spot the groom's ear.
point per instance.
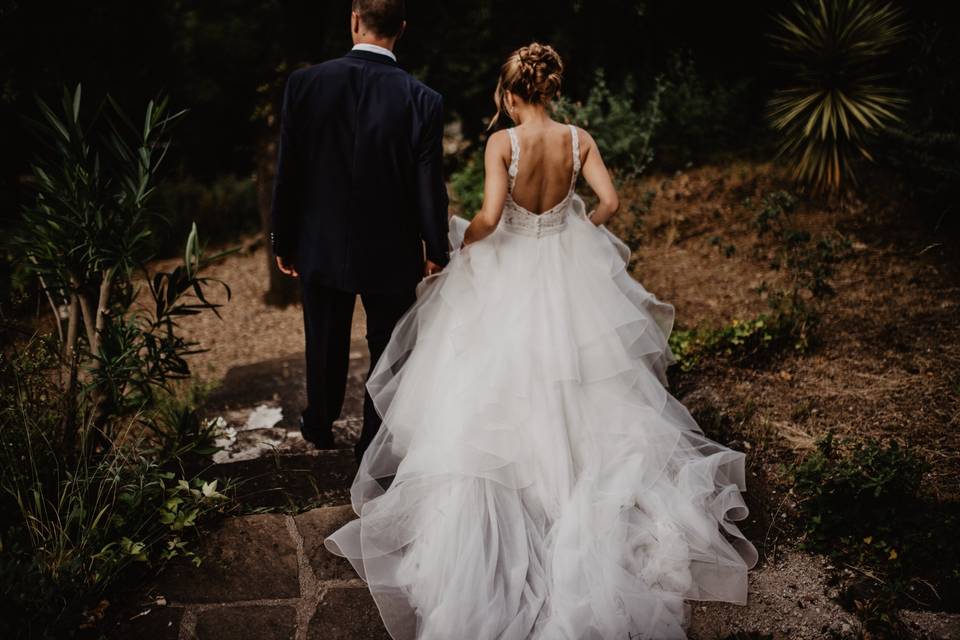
(355, 22)
(403, 28)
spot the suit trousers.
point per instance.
(327, 320)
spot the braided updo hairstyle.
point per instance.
(532, 73)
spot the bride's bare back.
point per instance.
(545, 167)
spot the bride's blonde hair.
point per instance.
(533, 73)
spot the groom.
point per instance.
(359, 203)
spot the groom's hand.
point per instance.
(287, 267)
(431, 268)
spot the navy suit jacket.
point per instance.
(359, 188)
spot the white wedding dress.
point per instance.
(544, 482)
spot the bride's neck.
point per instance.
(531, 114)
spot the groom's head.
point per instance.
(378, 21)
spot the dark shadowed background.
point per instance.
(215, 57)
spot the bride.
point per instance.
(533, 478)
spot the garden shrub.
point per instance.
(70, 529)
(808, 262)
(742, 341)
(862, 504)
(854, 495)
(467, 185)
(699, 119)
(91, 444)
(622, 127)
(926, 165)
(794, 308)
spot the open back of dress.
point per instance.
(553, 178)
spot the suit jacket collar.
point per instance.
(372, 57)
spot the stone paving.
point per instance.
(267, 575)
(264, 577)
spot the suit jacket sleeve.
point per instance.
(431, 189)
(285, 211)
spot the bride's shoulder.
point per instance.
(499, 137)
(585, 141)
(499, 143)
(583, 135)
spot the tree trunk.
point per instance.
(101, 401)
(56, 313)
(69, 427)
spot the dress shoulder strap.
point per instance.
(575, 143)
(514, 157)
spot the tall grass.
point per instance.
(72, 526)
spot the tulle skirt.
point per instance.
(533, 478)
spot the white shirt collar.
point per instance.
(372, 48)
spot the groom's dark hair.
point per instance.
(383, 17)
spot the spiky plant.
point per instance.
(838, 100)
(84, 237)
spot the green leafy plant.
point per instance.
(467, 184)
(855, 492)
(809, 263)
(837, 103)
(623, 130)
(85, 238)
(862, 503)
(70, 529)
(794, 313)
(176, 430)
(741, 341)
(91, 454)
(700, 118)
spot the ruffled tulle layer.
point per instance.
(542, 481)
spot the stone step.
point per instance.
(269, 576)
(263, 577)
(291, 481)
(261, 404)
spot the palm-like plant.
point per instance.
(838, 100)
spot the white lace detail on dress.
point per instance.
(514, 157)
(576, 154)
(531, 224)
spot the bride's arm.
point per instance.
(495, 181)
(597, 176)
